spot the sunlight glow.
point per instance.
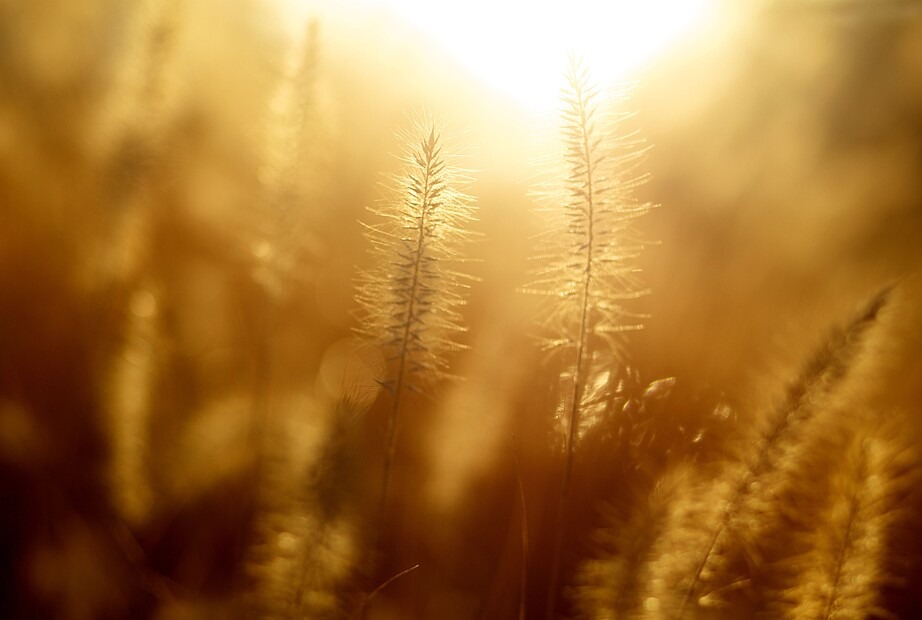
(519, 48)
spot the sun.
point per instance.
(519, 48)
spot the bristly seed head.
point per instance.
(588, 255)
(409, 298)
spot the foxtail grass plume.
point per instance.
(305, 529)
(611, 585)
(700, 560)
(847, 567)
(588, 254)
(588, 259)
(589, 251)
(290, 170)
(409, 298)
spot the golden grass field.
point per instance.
(328, 310)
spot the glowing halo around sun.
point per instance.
(520, 48)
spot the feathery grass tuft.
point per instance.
(409, 298)
(699, 557)
(282, 213)
(845, 570)
(290, 168)
(589, 259)
(612, 584)
(844, 541)
(589, 252)
(305, 526)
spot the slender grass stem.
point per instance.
(523, 587)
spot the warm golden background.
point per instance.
(187, 429)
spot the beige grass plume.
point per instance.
(588, 259)
(716, 533)
(845, 569)
(409, 298)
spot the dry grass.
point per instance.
(188, 428)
